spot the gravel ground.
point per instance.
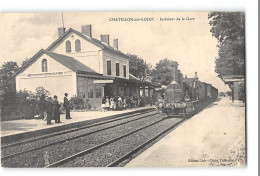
(43, 142)
(48, 155)
(109, 153)
(123, 163)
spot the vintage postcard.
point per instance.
(123, 89)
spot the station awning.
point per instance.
(100, 81)
(232, 78)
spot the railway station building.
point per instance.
(80, 65)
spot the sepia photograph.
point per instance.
(123, 89)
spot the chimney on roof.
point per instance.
(105, 39)
(115, 43)
(87, 30)
(174, 67)
(61, 31)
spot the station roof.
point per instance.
(135, 80)
(67, 61)
(71, 63)
(89, 39)
(232, 78)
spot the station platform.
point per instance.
(21, 128)
(213, 137)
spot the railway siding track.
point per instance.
(67, 148)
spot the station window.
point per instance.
(90, 93)
(124, 67)
(77, 45)
(68, 46)
(44, 65)
(98, 92)
(82, 95)
(117, 69)
(109, 67)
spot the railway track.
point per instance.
(60, 162)
(76, 159)
(108, 146)
(71, 130)
(141, 146)
(13, 155)
(85, 157)
(73, 137)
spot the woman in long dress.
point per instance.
(112, 104)
(56, 110)
(119, 103)
(107, 105)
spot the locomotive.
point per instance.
(179, 100)
(185, 96)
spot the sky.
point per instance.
(188, 41)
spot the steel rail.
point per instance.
(134, 151)
(71, 138)
(67, 159)
(74, 129)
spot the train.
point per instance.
(183, 97)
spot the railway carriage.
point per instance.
(202, 90)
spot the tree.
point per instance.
(138, 67)
(242, 92)
(8, 81)
(9, 68)
(39, 91)
(231, 58)
(229, 29)
(227, 25)
(163, 72)
(24, 62)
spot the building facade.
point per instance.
(80, 65)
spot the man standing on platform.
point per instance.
(42, 106)
(67, 106)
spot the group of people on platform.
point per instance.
(112, 103)
(51, 108)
